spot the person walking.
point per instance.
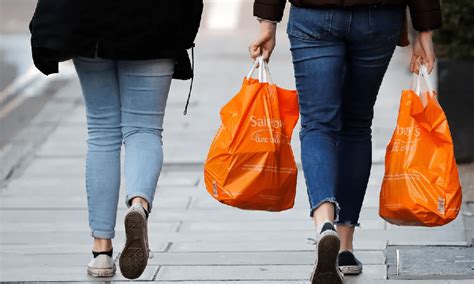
(125, 55)
(341, 50)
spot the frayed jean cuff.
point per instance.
(330, 200)
(347, 223)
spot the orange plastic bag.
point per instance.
(250, 164)
(421, 185)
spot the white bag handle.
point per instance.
(263, 71)
(423, 73)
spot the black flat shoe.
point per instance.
(348, 263)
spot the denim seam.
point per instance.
(89, 209)
(349, 23)
(329, 21)
(370, 20)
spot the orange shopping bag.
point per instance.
(421, 184)
(250, 164)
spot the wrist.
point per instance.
(428, 33)
(268, 27)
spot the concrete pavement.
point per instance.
(44, 235)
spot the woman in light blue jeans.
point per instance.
(125, 103)
(125, 55)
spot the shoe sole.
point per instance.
(101, 272)
(351, 269)
(133, 259)
(326, 270)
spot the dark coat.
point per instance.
(425, 14)
(114, 29)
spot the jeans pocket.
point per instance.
(385, 23)
(309, 24)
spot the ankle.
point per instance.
(350, 249)
(140, 200)
(101, 245)
(346, 234)
(323, 214)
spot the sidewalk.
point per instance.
(44, 235)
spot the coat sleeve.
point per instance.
(269, 9)
(425, 14)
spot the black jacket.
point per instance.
(114, 29)
(426, 14)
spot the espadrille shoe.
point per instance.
(348, 263)
(102, 265)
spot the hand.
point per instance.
(265, 42)
(423, 52)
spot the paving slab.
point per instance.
(251, 258)
(348, 280)
(235, 215)
(413, 236)
(257, 272)
(430, 262)
(276, 225)
(257, 245)
(45, 260)
(64, 274)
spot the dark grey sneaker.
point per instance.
(348, 263)
(325, 269)
(134, 256)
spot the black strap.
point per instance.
(97, 253)
(192, 80)
(146, 212)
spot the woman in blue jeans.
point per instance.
(341, 50)
(125, 55)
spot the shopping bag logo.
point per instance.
(268, 130)
(266, 122)
(269, 136)
(408, 131)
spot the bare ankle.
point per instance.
(140, 200)
(324, 213)
(346, 235)
(102, 245)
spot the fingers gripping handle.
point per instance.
(263, 71)
(423, 73)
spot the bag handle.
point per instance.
(423, 73)
(264, 75)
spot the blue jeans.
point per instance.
(125, 102)
(340, 57)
